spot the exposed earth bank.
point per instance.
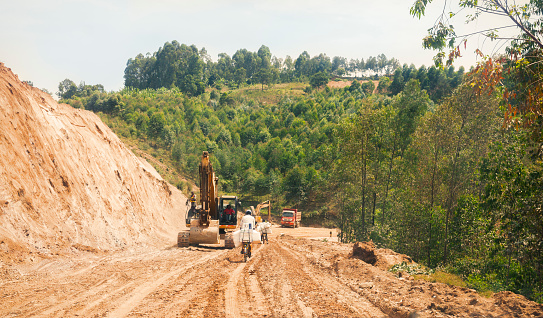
(67, 182)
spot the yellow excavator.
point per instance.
(214, 217)
(256, 211)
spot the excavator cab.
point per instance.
(228, 218)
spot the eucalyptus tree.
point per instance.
(301, 65)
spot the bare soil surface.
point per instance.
(289, 277)
(342, 84)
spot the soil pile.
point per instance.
(68, 183)
(379, 257)
(365, 251)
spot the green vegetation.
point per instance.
(418, 160)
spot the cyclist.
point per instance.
(247, 223)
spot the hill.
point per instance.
(68, 183)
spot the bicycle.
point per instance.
(264, 238)
(246, 250)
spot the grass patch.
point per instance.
(434, 276)
(440, 276)
(270, 95)
(443, 277)
(411, 269)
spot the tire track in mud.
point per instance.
(316, 292)
(83, 296)
(114, 283)
(289, 277)
(231, 290)
(275, 275)
(137, 295)
(114, 271)
(343, 293)
(254, 290)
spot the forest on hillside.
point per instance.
(436, 163)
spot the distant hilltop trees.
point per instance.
(192, 70)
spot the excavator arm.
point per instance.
(208, 191)
(265, 204)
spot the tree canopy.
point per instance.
(192, 70)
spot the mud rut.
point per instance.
(288, 277)
(193, 282)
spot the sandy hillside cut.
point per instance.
(67, 182)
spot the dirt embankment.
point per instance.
(67, 182)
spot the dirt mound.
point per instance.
(382, 257)
(67, 183)
(517, 303)
(365, 251)
(387, 258)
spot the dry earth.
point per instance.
(87, 229)
(289, 277)
(342, 84)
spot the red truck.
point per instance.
(291, 217)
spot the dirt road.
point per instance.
(289, 277)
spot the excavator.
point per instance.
(209, 221)
(256, 211)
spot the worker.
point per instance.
(229, 213)
(192, 200)
(250, 221)
(247, 219)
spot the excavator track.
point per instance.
(183, 239)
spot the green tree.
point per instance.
(240, 76)
(156, 124)
(513, 197)
(442, 36)
(264, 77)
(368, 87)
(384, 83)
(318, 80)
(66, 89)
(398, 83)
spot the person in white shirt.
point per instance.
(247, 223)
(247, 219)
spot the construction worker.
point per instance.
(248, 218)
(229, 213)
(192, 200)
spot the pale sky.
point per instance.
(47, 41)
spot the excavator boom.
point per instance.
(208, 191)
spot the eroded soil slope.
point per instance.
(67, 183)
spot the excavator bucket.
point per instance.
(204, 235)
